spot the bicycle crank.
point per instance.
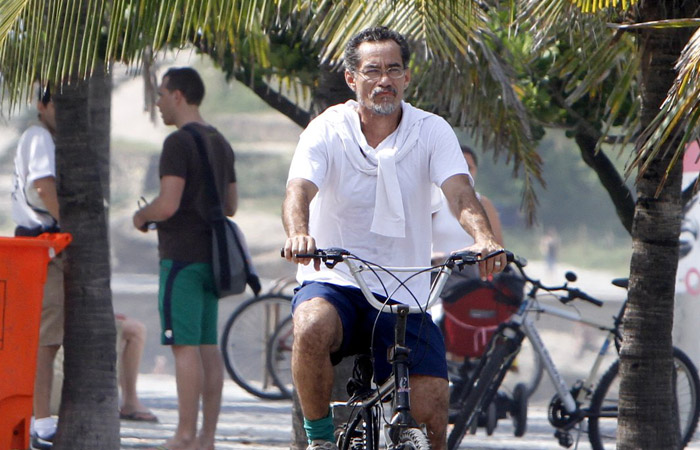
(559, 417)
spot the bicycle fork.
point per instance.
(398, 357)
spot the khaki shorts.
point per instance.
(52, 310)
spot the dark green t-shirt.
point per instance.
(186, 236)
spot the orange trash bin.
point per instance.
(23, 268)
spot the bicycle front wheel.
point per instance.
(602, 422)
(527, 370)
(362, 430)
(483, 385)
(245, 343)
(413, 439)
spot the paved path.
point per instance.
(248, 423)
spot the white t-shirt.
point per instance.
(35, 159)
(341, 213)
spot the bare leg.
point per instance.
(429, 400)
(133, 341)
(317, 332)
(44, 378)
(211, 394)
(189, 377)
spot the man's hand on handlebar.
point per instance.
(301, 245)
(493, 262)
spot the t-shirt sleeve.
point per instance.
(42, 157)
(173, 160)
(310, 160)
(446, 157)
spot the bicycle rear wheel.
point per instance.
(279, 356)
(602, 423)
(245, 342)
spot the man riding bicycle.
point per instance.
(368, 165)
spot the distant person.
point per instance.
(188, 301)
(35, 211)
(549, 246)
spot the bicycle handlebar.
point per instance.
(332, 256)
(572, 293)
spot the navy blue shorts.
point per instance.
(363, 330)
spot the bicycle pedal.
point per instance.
(564, 437)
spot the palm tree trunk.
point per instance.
(88, 417)
(647, 407)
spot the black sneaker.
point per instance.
(39, 443)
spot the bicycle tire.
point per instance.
(279, 356)
(485, 383)
(413, 439)
(360, 432)
(245, 339)
(528, 371)
(602, 431)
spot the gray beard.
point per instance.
(382, 109)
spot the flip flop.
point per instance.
(139, 416)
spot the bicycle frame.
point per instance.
(397, 385)
(521, 317)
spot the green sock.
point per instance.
(321, 429)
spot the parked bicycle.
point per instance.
(401, 431)
(593, 400)
(247, 337)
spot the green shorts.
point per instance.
(188, 304)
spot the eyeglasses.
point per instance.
(375, 74)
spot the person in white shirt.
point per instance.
(360, 179)
(35, 211)
(448, 234)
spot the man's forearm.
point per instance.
(473, 218)
(156, 211)
(295, 213)
(467, 208)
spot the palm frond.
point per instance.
(45, 41)
(593, 6)
(544, 17)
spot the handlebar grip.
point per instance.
(594, 301)
(575, 293)
(469, 257)
(302, 255)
